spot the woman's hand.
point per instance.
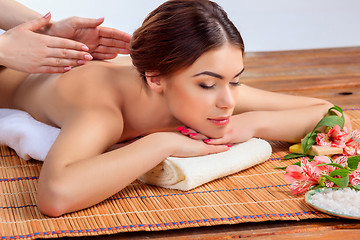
(191, 133)
(183, 146)
(103, 42)
(238, 130)
(22, 49)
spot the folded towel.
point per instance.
(33, 139)
(27, 136)
(187, 173)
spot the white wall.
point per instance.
(265, 25)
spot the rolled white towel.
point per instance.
(187, 173)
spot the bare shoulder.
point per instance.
(91, 86)
(94, 83)
(86, 82)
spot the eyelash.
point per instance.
(235, 83)
(202, 85)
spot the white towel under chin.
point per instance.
(187, 173)
(33, 139)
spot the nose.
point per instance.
(226, 99)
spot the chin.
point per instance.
(218, 133)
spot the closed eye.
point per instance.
(235, 83)
(203, 85)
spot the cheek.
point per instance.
(190, 108)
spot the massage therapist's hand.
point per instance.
(22, 49)
(103, 42)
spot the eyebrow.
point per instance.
(212, 74)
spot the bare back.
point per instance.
(54, 98)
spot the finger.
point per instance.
(216, 141)
(124, 51)
(69, 54)
(111, 42)
(114, 33)
(191, 133)
(78, 22)
(217, 148)
(103, 56)
(197, 136)
(184, 130)
(36, 23)
(52, 69)
(103, 49)
(61, 62)
(56, 42)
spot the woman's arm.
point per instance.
(273, 116)
(252, 99)
(77, 173)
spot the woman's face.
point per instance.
(203, 96)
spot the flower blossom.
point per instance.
(308, 173)
(353, 144)
(334, 138)
(354, 177)
(350, 143)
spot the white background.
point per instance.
(265, 25)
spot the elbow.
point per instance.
(51, 200)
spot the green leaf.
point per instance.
(281, 168)
(322, 181)
(339, 172)
(356, 187)
(297, 164)
(353, 162)
(330, 120)
(341, 182)
(293, 155)
(331, 164)
(337, 108)
(308, 141)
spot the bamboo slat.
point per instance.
(257, 194)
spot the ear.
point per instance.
(154, 81)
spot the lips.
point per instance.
(220, 121)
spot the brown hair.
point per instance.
(178, 32)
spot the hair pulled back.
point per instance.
(178, 32)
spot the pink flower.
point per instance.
(321, 169)
(353, 144)
(325, 169)
(294, 174)
(355, 135)
(301, 178)
(350, 143)
(337, 137)
(334, 138)
(309, 174)
(342, 160)
(354, 177)
(322, 139)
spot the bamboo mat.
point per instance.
(254, 195)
